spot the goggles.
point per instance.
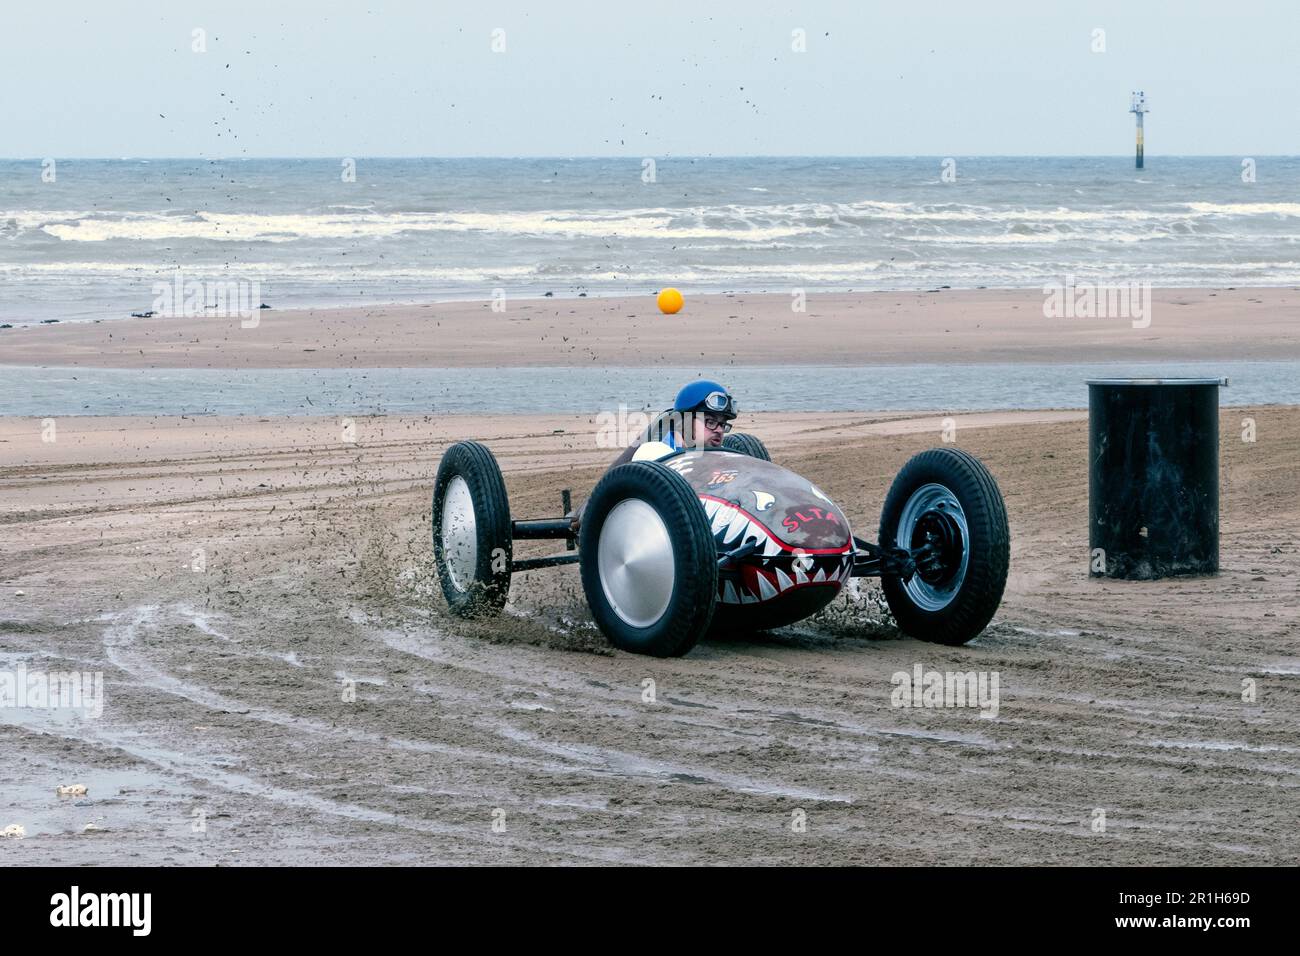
(720, 402)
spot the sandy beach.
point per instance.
(874, 328)
(324, 341)
(228, 576)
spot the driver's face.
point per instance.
(708, 430)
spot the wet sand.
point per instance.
(874, 328)
(225, 686)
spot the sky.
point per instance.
(109, 78)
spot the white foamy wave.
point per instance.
(542, 274)
(743, 223)
(1038, 238)
(956, 212)
(1246, 208)
(248, 227)
(812, 270)
(165, 272)
(15, 221)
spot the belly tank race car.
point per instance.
(677, 544)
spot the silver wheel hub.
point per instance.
(459, 534)
(634, 557)
(937, 499)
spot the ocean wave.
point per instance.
(812, 269)
(744, 223)
(255, 270)
(957, 212)
(550, 271)
(1056, 237)
(251, 227)
(1245, 208)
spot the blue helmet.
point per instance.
(706, 396)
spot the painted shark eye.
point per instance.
(818, 492)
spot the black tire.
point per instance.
(484, 558)
(749, 445)
(944, 606)
(688, 549)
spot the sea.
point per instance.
(96, 239)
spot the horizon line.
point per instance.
(658, 157)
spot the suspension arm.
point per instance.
(873, 561)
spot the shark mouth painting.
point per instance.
(775, 568)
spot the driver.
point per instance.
(703, 410)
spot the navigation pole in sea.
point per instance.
(1139, 107)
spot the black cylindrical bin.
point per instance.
(1153, 476)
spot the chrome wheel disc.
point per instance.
(634, 557)
(933, 515)
(459, 534)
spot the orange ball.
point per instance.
(670, 301)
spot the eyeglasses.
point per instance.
(712, 424)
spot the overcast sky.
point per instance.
(708, 77)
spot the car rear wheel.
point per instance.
(648, 560)
(750, 445)
(471, 531)
(946, 504)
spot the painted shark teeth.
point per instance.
(739, 524)
(732, 527)
(773, 582)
